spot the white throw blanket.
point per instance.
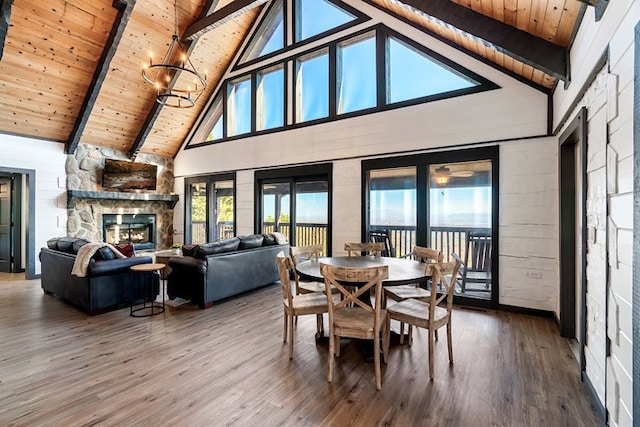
(81, 264)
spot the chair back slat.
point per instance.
(423, 254)
(285, 265)
(364, 248)
(478, 252)
(354, 282)
(444, 275)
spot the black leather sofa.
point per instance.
(214, 271)
(109, 283)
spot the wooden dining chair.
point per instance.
(306, 253)
(366, 248)
(298, 305)
(403, 292)
(429, 315)
(351, 316)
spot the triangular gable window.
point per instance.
(269, 37)
(413, 74)
(308, 23)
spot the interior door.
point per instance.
(6, 226)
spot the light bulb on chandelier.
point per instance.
(169, 75)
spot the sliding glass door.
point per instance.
(296, 203)
(447, 201)
(210, 208)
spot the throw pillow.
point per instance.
(189, 250)
(269, 240)
(53, 243)
(78, 243)
(126, 249)
(280, 238)
(104, 253)
(253, 241)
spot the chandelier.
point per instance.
(176, 80)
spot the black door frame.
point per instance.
(573, 152)
(422, 161)
(210, 223)
(29, 188)
(636, 227)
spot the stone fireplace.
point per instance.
(139, 229)
(99, 215)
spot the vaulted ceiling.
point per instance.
(70, 70)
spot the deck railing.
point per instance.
(199, 231)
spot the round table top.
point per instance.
(401, 271)
(148, 267)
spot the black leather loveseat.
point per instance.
(214, 271)
(108, 284)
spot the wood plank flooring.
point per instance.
(227, 365)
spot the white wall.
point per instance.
(48, 160)
(529, 224)
(528, 168)
(609, 100)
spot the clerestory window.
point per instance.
(372, 70)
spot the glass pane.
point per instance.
(312, 87)
(392, 206)
(216, 119)
(198, 221)
(239, 106)
(356, 74)
(270, 99)
(309, 23)
(269, 37)
(460, 220)
(224, 218)
(312, 213)
(276, 198)
(413, 74)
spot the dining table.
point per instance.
(402, 271)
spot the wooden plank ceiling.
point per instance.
(70, 70)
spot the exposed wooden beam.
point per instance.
(219, 17)
(536, 52)
(189, 45)
(5, 14)
(125, 7)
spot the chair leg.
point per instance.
(401, 332)
(431, 364)
(387, 337)
(319, 324)
(449, 342)
(331, 356)
(291, 338)
(336, 345)
(286, 322)
(376, 361)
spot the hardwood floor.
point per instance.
(227, 365)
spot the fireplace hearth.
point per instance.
(139, 229)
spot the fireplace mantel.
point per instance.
(72, 195)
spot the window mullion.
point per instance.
(332, 80)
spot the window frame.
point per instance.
(294, 175)
(422, 163)
(382, 32)
(209, 179)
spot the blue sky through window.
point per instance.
(412, 74)
(270, 99)
(317, 16)
(269, 37)
(313, 88)
(239, 107)
(357, 75)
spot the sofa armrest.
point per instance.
(112, 266)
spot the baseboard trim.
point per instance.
(595, 401)
(530, 311)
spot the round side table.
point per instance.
(152, 308)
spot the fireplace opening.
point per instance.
(139, 229)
